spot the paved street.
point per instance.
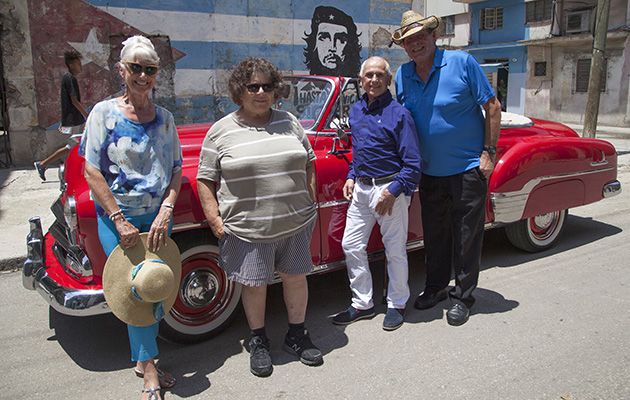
(552, 325)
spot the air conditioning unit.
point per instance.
(578, 21)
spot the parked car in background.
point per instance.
(544, 168)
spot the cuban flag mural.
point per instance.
(199, 41)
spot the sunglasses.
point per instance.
(255, 87)
(149, 70)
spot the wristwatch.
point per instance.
(491, 150)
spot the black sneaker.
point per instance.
(352, 315)
(457, 315)
(259, 358)
(40, 170)
(302, 347)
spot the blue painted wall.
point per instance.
(513, 22)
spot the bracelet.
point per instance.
(113, 215)
(168, 205)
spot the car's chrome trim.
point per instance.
(189, 226)
(611, 189)
(67, 301)
(509, 206)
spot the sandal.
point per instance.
(166, 380)
(154, 393)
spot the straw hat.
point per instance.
(140, 286)
(413, 22)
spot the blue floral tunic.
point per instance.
(136, 159)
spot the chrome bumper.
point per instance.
(67, 301)
(611, 189)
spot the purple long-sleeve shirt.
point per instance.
(384, 143)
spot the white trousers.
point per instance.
(360, 220)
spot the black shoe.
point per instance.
(352, 315)
(259, 358)
(40, 170)
(302, 347)
(457, 315)
(393, 319)
(429, 298)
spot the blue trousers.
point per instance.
(142, 339)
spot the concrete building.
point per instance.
(198, 43)
(537, 54)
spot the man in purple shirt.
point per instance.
(383, 175)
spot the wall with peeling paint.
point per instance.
(198, 42)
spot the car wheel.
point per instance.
(537, 233)
(206, 300)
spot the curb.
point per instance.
(12, 264)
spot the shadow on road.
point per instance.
(100, 343)
(578, 231)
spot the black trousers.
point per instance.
(453, 213)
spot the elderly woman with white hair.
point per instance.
(133, 167)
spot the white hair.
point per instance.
(139, 48)
(374, 58)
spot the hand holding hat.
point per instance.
(140, 286)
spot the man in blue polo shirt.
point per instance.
(445, 92)
(384, 172)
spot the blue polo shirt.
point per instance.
(447, 110)
(384, 142)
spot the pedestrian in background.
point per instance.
(256, 183)
(73, 114)
(445, 92)
(383, 174)
(133, 166)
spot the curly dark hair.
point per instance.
(352, 62)
(242, 75)
(71, 55)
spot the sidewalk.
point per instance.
(23, 195)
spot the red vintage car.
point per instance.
(544, 168)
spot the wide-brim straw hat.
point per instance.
(413, 22)
(141, 286)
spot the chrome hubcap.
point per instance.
(199, 289)
(544, 221)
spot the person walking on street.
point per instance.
(383, 175)
(73, 113)
(445, 92)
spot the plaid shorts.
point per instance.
(253, 264)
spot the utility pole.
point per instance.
(597, 69)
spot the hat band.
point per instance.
(158, 308)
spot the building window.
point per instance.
(492, 18)
(540, 68)
(449, 25)
(582, 73)
(538, 10)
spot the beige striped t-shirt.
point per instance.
(260, 175)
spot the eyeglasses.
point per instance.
(255, 87)
(149, 70)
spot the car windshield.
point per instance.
(306, 98)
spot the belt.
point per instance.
(366, 180)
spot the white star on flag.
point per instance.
(92, 50)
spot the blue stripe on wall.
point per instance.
(361, 11)
(222, 55)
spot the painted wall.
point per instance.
(513, 22)
(554, 95)
(199, 41)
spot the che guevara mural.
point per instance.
(201, 41)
